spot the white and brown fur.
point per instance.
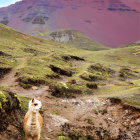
(33, 120)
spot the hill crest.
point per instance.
(108, 22)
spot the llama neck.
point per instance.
(33, 117)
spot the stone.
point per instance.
(35, 88)
(110, 119)
(132, 122)
(138, 120)
(126, 111)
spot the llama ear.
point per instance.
(33, 100)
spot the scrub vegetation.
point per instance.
(70, 71)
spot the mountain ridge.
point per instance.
(103, 21)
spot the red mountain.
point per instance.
(110, 22)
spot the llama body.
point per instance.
(33, 121)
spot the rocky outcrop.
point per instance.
(107, 122)
(39, 20)
(36, 18)
(11, 116)
(62, 36)
(4, 22)
(74, 38)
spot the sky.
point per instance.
(4, 3)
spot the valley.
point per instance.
(84, 93)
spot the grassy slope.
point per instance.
(33, 56)
(80, 40)
(137, 43)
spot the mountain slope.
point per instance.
(70, 71)
(112, 23)
(72, 38)
(95, 88)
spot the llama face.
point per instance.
(35, 105)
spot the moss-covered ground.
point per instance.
(9, 100)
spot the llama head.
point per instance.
(34, 105)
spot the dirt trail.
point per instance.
(9, 80)
(86, 115)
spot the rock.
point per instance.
(58, 120)
(132, 122)
(126, 111)
(13, 132)
(65, 101)
(74, 102)
(138, 120)
(4, 22)
(110, 119)
(61, 36)
(38, 20)
(48, 127)
(11, 128)
(35, 88)
(125, 123)
(90, 101)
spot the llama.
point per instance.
(33, 120)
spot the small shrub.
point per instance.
(92, 85)
(55, 111)
(62, 138)
(89, 121)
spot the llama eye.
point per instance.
(35, 104)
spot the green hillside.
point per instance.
(68, 70)
(73, 38)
